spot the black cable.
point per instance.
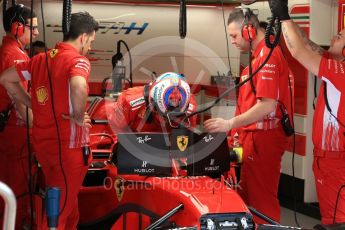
(293, 155)
(276, 22)
(336, 203)
(247, 15)
(315, 92)
(66, 16)
(325, 97)
(104, 87)
(4, 9)
(328, 106)
(293, 158)
(30, 155)
(31, 26)
(20, 196)
(269, 30)
(54, 114)
(183, 19)
(268, 44)
(226, 37)
(130, 63)
(217, 100)
(250, 66)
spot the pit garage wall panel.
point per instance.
(151, 32)
(341, 14)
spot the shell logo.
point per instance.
(42, 95)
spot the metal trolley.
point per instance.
(10, 206)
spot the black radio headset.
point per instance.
(17, 22)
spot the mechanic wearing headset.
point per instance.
(13, 133)
(144, 109)
(329, 116)
(68, 69)
(258, 115)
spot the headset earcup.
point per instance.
(249, 32)
(17, 29)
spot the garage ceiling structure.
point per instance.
(192, 2)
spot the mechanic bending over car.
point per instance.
(146, 108)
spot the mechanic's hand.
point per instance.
(217, 125)
(86, 122)
(279, 8)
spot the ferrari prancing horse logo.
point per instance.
(182, 142)
(53, 52)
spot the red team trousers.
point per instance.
(329, 168)
(75, 171)
(14, 170)
(260, 172)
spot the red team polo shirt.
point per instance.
(129, 111)
(328, 134)
(270, 82)
(11, 53)
(64, 63)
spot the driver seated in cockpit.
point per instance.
(148, 108)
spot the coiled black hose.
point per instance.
(183, 19)
(274, 22)
(66, 16)
(4, 8)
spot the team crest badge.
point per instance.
(119, 189)
(182, 142)
(42, 95)
(53, 52)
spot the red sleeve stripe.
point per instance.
(83, 66)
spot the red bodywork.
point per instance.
(143, 199)
(148, 198)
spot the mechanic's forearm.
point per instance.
(293, 38)
(16, 90)
(254, 114)
(309, 58)
(10, 75)
(307, 42)
(27, 117)
(79, 98)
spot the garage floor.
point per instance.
(288, 219)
